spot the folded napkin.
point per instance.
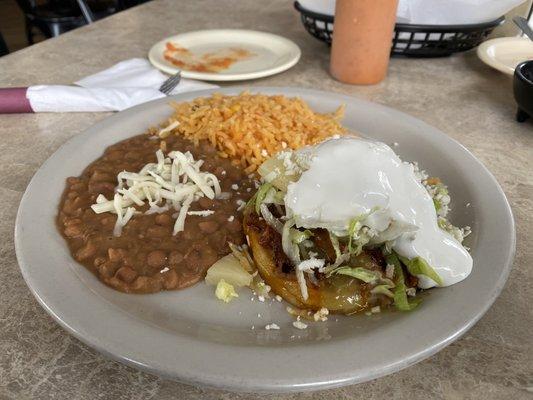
(124, 85)
(434, 12)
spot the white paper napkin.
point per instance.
(453, 12)
(434, 12)
(122, 86)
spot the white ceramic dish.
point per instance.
(190, 336)
(272, 54)
(504, 54)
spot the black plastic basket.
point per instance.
(411, 40)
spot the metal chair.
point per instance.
(54, 17)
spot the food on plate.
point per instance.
(225, 291)
(347, 226)
(250, 128)
(230, 270)
(213, 61)
(157, 210)
(144, 220)
(261, 192)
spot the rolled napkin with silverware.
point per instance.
(122, 86)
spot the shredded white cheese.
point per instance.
(174, 182)
(203, 213)
(272, 326)
(163, 133)
(180, 221)
(311, 264)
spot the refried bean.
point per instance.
(147, 258)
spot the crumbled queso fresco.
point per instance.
(240, 204)
(299, 324)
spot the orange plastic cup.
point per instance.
(362, 40)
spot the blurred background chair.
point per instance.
(54, 17)
(3, 46)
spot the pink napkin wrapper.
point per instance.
(14, 101)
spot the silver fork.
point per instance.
(169, 85)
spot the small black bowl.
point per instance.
(523, 90)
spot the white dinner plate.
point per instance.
(504, 54)
(190, 336)
(270, 54)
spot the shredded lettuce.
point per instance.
(260, 196)
(437, 205)
(251, 202)
(360, 273)
(292, 250)
(358, 233)
(399, 295)
(274, 196)
(270, 219)
(299, 236)
(419, 266)
(279, 198)
(387, 281)
(383, 289)
(335, 243)
(280, 170)
(289, 248)
(458, 233)
(354, 226)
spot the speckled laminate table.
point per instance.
(458, 95)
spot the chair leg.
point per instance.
(55, 29)
(86, 11)
(521, 115)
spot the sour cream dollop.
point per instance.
(350, 177)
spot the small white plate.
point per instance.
(272, 54)
(504, 54)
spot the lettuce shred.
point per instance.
(260, 196)
(383, 289)
(360, 273)
(399, 295)
(419, 266)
